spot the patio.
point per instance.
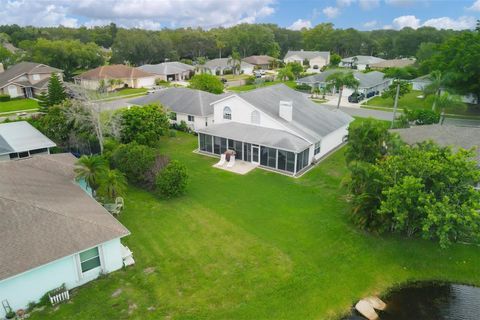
(240, 167)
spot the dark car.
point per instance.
(356, 97)
(223, 80)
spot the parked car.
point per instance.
(370, 94)
(223, 80)
(356, 97)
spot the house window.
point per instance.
(36, 77)
(89, 259)
(173, 116)
(227, 113)
(191, 118)
(317, 148)
(255, 117)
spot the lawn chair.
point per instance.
(115, 208)
(222, 160)
(231, 163)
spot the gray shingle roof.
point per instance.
(363, 59)
(21, 136)
(308, 54)
(367, 80)
(444, 135)
(181, 100)
(167, 68)
(309, 119)
(224, 63)
(45, 215)
(22, 68)
(258, 135)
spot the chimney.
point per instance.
(285, 110)
(1, 68)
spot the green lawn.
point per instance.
(249, 87)
(411, 101)
(259, 246)
(232, 77)
(18, 105)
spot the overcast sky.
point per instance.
(157, 14)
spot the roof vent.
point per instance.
(285, 110)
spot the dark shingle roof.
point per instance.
(45, 215)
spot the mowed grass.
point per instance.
(259, 246)
(412, 101)
(18, 105)
(249, 87)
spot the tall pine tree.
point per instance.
(56, 92)
(43, 101)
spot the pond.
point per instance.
(431, 301)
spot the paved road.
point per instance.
(115, 104)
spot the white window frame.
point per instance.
(227, 113)
(317, 148)
(190, 117)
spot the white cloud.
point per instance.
(368, 4)
(406, 21)
(370, 24)
(331, 12)
(300, 24)
(344, 3)
(449, 23)
(475, 6)
(147, 13)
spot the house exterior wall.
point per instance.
(13, 91)
(318, 61)
(331, 141)
(198, 121)
(144, 82)
(31, 285)
(293, 59)
(132, 83)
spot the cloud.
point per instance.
(449, 23)
(344, 3)
(368, 4)
(147, 13)
(406, 21)
(300, 24)
(331, 12)
(475, 6)
(370, 24)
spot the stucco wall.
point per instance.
(332, 141)
(198, 123)
(33, 284)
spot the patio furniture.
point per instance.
(222, 160)
(115, 208)
(127, 256)
(231, 163)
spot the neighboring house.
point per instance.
(369, 82)
(360, 62)
(53, 232)
(220, 65)
(444, 135)
(26, 79)
(421, 82)
(189, 105)
(127, 77)
(316, 59)
(262, 62)
(21, 140)
(275, 127)
(169, 71)
(393, 63)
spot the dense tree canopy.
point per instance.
(206, 82)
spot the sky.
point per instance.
(157, 14)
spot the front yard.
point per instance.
(18, 105)
(249, 87)
(259, 246)
(412, 101)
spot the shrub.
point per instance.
(10, 315)
(250, 80)
(422, 116)
(144, 125)
(134, 160)
(151, 174)
(159, 82)
(303, 87)
(172, 133)
(172, 181)
(4, 97)
(206, 82)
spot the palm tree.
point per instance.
(113, 184)
(235, 61)
(90, 169)
(447, 100)
(340, 80)
(284, 74)
(435, 87)
(397, 74)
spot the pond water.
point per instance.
(431, 301)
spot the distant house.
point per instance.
(392, 63)
(21, 140)
(360, 62)
(316, 59)
(369, 82)
(169, 71)
(422, 82)
(220, 65)
(26, 79)
(189, 105)
(53, 232)
(275, 127)
(127, 77)
(262, 62)
(444, 135)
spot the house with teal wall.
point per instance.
(52, 231)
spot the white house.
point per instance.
(360, 62)
(421, 82)
(21, 140)
(275, 127)
(169, 71)
(220, 65)
(189, 105)
(316, 59)
(370, 82)
(52, 231)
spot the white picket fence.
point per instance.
(59, 297)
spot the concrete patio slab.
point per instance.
(240, 167)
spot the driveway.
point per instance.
(365, 113)
(116, 104)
